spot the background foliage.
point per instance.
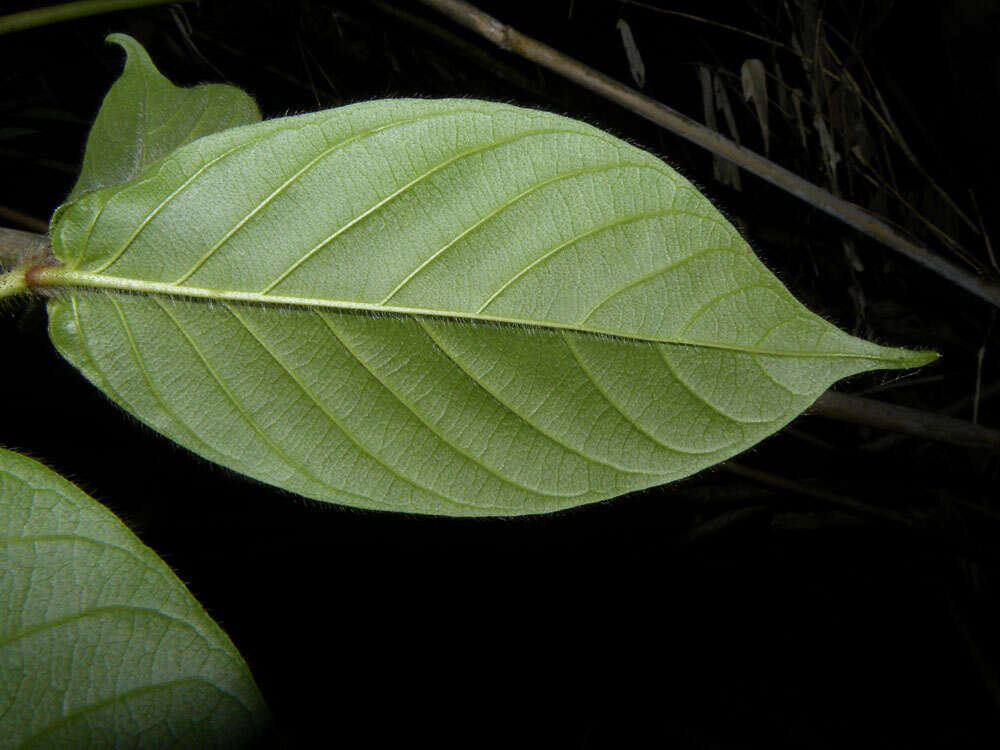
(716, 612)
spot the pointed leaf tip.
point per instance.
(132, 48)
(920, 357)
(907, 359)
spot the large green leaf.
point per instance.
(100, 644)
(144, 117)
(453, 307)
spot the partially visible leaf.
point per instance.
(451, 306)
(144, 117)
(100, 644)
(635, 63)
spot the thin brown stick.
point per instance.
(927, 425)
(890, 441)
(851, 214)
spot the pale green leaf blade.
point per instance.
(437, 306)
(144, 117)
(100, 643)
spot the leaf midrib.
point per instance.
(55, 277)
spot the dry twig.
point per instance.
(927, 425)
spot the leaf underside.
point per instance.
(100, 643)
(452, 307)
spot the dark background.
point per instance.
(717, 612)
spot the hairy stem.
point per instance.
(28, 19)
